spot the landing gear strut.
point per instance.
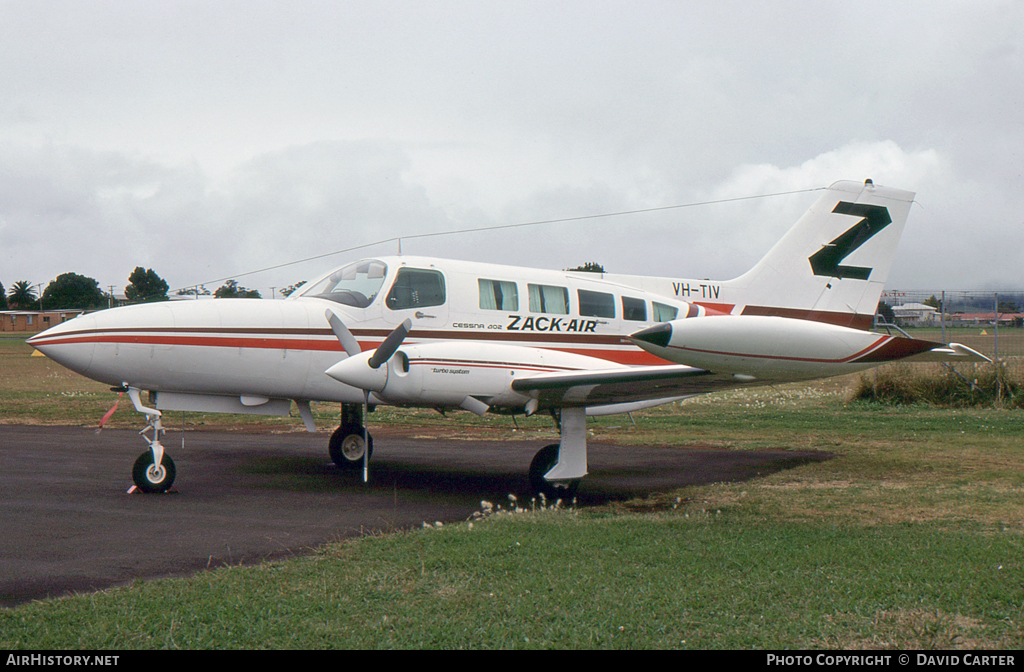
(347, 444)
(154, 470)
(543, 462)
(556, 470)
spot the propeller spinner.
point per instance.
(365, 370)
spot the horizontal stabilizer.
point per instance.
(952, 353)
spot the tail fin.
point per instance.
(833, 264)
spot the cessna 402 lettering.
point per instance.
(444, 334)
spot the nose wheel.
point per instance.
(151, 477)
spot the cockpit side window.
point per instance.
(416, 288)
(354, 285)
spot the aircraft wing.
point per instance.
(626, 385)
(623, 385)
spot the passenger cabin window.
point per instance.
(596, 304)
(548, 299)
(663, 313)
(354, 285)
(498, 295)
(634, 309)
(416, 288)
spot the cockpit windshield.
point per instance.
(354, 285)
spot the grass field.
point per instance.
(911, 537)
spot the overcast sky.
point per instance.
(207, 139)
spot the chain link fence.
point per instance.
(991, 322)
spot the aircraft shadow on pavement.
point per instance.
(617, 473)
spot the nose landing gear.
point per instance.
(154, 470)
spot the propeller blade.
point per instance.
(366, 436)
(390, 345)
(345, 337)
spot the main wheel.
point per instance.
(149, 477)
(545, 459)
(346, 446)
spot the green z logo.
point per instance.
(825, 261)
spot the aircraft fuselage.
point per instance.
(279, 349)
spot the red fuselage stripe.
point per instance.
(626, 355)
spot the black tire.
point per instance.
(149, 479)
(543, 461)
(345, 447)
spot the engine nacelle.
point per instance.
(769, 348)
(446, 373)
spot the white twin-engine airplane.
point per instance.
(436, 333)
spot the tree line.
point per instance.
(79, 292)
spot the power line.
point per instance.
(498, 227)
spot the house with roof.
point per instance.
(916, 314)
(35, 320)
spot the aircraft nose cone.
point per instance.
(659, 335)
(69, 344)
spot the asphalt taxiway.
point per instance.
(67, 523)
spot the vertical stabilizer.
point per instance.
(833, 264)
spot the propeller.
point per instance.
(345, 337)
(390, 344)
(363, 369)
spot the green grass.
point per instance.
(696, 578)
(912, 536)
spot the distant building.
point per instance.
(34, 320)
(987, 319)
(916, 314)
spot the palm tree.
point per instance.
(22, 295)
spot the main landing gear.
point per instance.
(556, 470)
(154, 470)
(543, 462)
(347, 445)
